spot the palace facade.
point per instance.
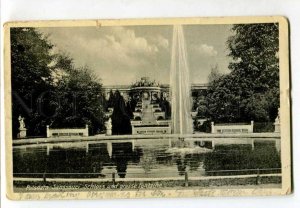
(151, 110)
(147, 89)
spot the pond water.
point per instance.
(145, 158)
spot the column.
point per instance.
(252, 126)
(212, 127)
(47, 131)
(151, 94)
(86, 131)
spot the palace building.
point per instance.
(146, 89)
(152, 109)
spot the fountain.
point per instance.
(181, 118)
(180, 85)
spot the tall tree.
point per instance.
(31, 77)
(251, 90)
(215, 74)
(120, 117)
(79, 98)
(49, 90)
(110, 101)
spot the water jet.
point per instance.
(180, 85)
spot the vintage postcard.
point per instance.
(180, 107)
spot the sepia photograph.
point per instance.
(147, 108)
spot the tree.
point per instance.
(79, 99)
(200, 101)
(254, 49)
(215, 74)
(49, 90)
(110, 101)
(165, 106)
(251, 90)
(120, 118)
(31, 77)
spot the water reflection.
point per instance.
(148, 161)
(242, 159)
(142, 158)
(122, 154)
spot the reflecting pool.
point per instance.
(143, 158)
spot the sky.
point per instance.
(124, 54)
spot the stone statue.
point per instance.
(22, 130)
(21, 122)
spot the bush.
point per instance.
(263, 127)
(205, 127)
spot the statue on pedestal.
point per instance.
(22, 129)
(108, 126)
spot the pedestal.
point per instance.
(277, 127)
(108, 132)
(108, 126)
(22, 133)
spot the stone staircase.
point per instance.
(148, 117)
